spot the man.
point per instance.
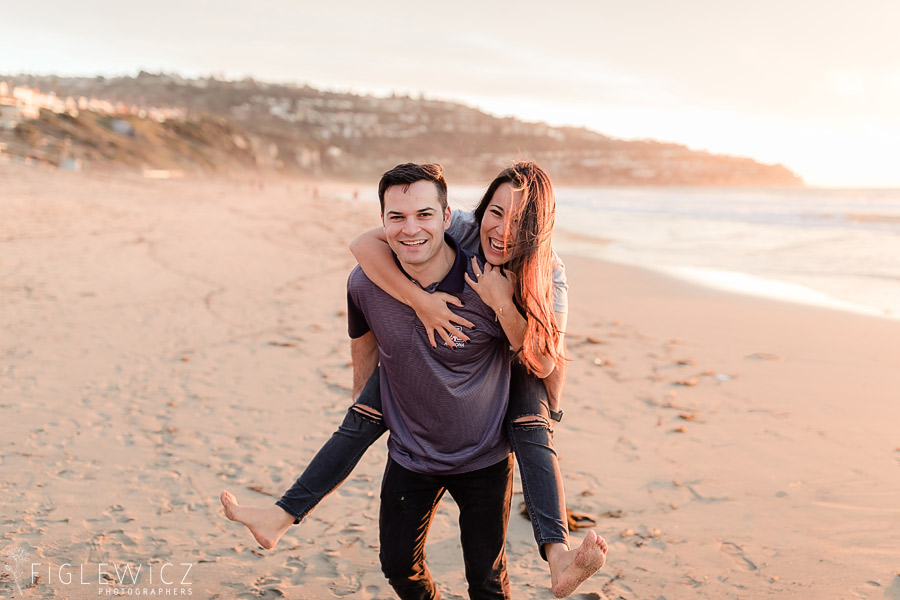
(444, 406)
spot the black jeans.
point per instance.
(408, 503)
(533, 444)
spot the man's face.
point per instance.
(414, 223)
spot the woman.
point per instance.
(524, 283)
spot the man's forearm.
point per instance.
(364, 354)
(554, 383)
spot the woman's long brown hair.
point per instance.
(530, 256)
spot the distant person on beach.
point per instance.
(524, 283)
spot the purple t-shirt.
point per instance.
(443, 406)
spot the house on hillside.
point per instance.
(10, 116)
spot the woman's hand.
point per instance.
(434, 312)
(495, 288)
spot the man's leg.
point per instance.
(483, 497)
(329, 467)
(408, 503)
(528, 424)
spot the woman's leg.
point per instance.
(528, 424)
(362, 425)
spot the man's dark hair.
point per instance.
(409, 173)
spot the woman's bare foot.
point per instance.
(570, 568)
(266, 524)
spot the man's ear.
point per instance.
(447, 216)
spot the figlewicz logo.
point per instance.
(122, 579)
(110, 578)
(18, 556)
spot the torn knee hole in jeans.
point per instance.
(368, 413)
(531, 422)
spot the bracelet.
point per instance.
(499, 312)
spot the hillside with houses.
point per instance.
(167, 122)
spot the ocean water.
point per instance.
(825, 247)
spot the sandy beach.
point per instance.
(163, 340)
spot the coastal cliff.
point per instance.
(162, 121)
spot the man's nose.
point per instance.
(410, 226)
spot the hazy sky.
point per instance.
(813, 84)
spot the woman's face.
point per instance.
(496, 232)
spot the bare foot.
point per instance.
(570, 568)
(266, 524)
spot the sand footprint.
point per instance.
(737, 555)
(345, 585)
